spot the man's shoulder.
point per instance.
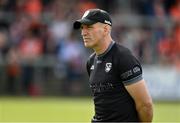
(121, 50)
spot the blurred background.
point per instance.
(42, 56)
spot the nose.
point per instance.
(83, 31)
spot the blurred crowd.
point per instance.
(151, 29)
(37, 33)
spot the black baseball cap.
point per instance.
(93, 16)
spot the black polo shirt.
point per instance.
(108, 75)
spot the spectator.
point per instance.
(13, 71)
(170, 46)
(71, 53)
(3, 44)
(30, 50)
(175, 11)
(31, 8)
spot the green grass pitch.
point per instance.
(61, 109)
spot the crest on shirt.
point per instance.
(108, 67)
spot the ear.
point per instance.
(106, 28)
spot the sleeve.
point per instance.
(130, 69)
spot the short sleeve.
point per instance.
(130, 69)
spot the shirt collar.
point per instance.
(107, 50)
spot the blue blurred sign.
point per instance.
(163, 82)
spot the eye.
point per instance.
(89, 26)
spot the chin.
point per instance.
(87, 45)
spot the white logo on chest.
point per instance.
(108, 67)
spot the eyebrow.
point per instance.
(90, 26)
(87, 26)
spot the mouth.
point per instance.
(86, 39)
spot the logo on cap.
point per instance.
(85, 14)
(107, 22)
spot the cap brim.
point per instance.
(77, 24)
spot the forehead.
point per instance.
(93, 25)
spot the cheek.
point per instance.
(98, 34)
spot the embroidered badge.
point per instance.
(108, 67)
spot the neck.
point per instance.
(103, 45)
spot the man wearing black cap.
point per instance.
(115, 75)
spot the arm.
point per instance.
(142, 99)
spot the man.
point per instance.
(115, 76)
